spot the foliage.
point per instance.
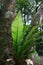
(22, 3)
(23, 39)
(28, 4)
(28, 8)
(7, 8)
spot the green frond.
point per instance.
(29, 42)
(17, 32)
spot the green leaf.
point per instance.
(21, 51)
(17, 32)
(28, 43)
(26, 28)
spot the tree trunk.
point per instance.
(7, 14)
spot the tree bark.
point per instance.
(7, 14)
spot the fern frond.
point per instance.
(24, 38)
